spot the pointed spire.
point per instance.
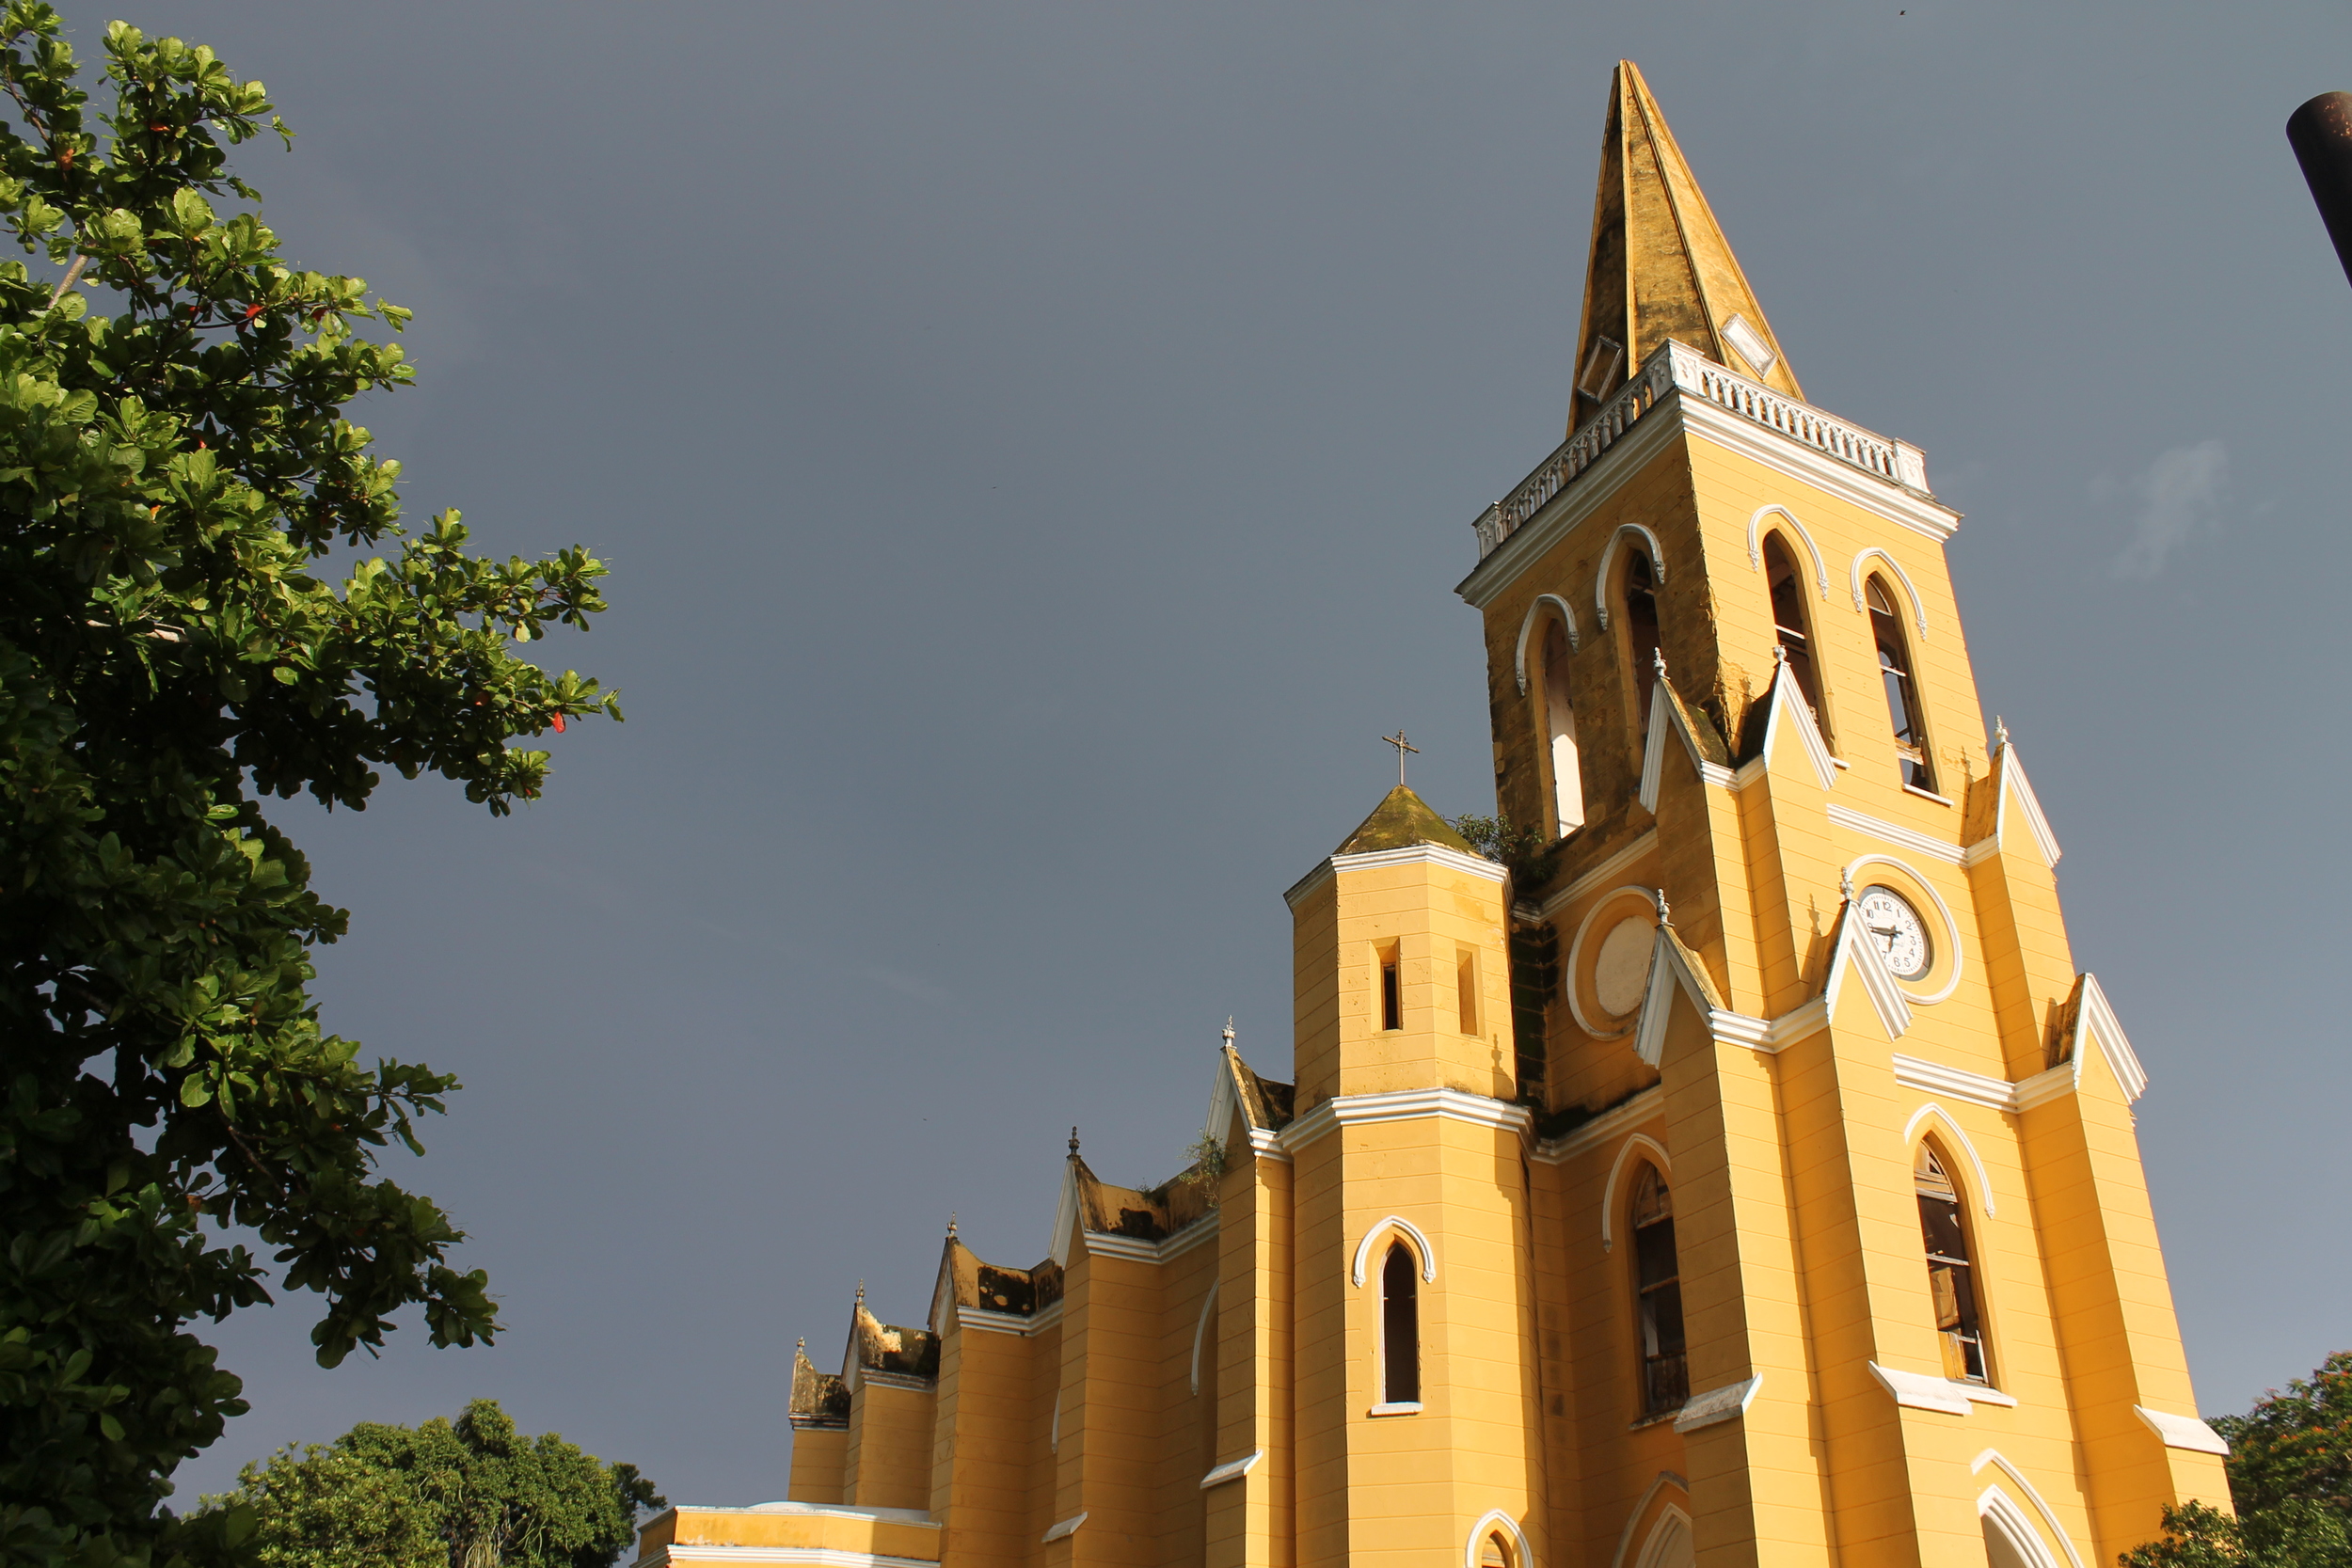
(1401, 819)
(1660, 267)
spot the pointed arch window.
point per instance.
(1400, 1326)
(1639, 599)
(1567, 779)
(1904, 709)
(1495, 1551)
(1658, 1283)
(1951, 1276)
(1791, 625)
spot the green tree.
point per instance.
(468, 1494)
(174, 465)
(2290, 1469)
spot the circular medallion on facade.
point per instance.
(1621, 968)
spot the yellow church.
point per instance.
(1741, 1173)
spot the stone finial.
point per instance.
(2000, 733)
(1845, 885)
(951, 1225)
(1074, 1143)
(799, 1346)
(1780, 652)
(1666, 915)
(861, 1293)
(1658, 659)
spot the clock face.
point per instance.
(1895, 926)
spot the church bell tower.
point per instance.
(1847, 1256)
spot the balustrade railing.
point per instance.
(1675, 367)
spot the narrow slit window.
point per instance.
(1465, 990)
(1391, 992)
(1951, 1278)
(1791, 625)
(1658, 1281)
(1641, 632)
(1567, 778)
(1400, 1326)
(1904, 710)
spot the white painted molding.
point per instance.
(2098, 1016)
(1669, 1542)
(1669, 969)
(1718, 1404)
(1575, 954)
(1607, 871)
(1136, 1249)
(1790, 708)
(1625, 1536)
(2028, 805)
(1919, 611)
(1944, 911)
(1398, 1223)
(1662, 715)
(914, 1516)
(1525, 1557)
(1638, 1108)
(1395, 1407)
(1412, 854)
(1756, 543)
(1609, 1193)
(1065, 1215)
(800, 1557)
(1972, 1089)
(1200, 1333)
(1902, 499)
(1933, 1111)
(907, 1381)
(1405, 1105)
(1921, 1392)
(1067, 1527)
(1233, 1469)
(2025, 1542)
(2182, 1432)
(1527, 628)
(1901, 838)
(2050, 1515)
(1856, 953)
(1769, 1035)
(1608, 557)
(993, 1323)
(2045, 1086)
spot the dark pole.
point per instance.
(2321, 134)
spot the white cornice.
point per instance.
(1624, 1114)
(1976, 1088)
(1067, 1527)
(1109, 1243)
(1412, 854)
(1603, 874)
(813, 1557)
(1405, 1105)
(1895, 834)
(1628, 457)
(1786, 455)
(898, 1380)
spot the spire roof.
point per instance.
(1400, 821)
(1660, 267)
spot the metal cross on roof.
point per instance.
(1402, 746)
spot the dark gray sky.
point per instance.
(1035, 447)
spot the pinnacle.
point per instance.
(1401, 820)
